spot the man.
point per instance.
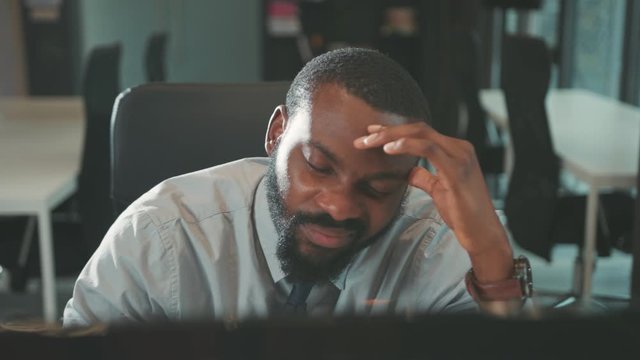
(340, 219)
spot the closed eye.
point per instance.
(319, 169)
(373, 192)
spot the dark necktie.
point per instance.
(297, 300)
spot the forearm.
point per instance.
(493, 266)
(490, 253)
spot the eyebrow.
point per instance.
(382, 175)
(323, 149)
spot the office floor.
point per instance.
(552, 280)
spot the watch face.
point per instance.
(522, 270)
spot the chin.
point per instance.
(307, 261)
(315, 254)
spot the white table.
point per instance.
(40, 147)
(596, 139)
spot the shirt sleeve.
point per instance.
(128, 278)
(458, 299)
(443, 266)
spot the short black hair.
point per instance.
(367, 74)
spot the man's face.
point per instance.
(328, 200)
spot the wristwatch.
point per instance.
(520, 286)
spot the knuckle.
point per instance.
(468, 153)
(422, 128)
(428, 147)
(468, 160)
(467, 165)
(467, 147)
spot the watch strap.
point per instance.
(509, 289)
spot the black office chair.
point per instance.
(75, 239)
(100, 88)
(155, 57)
(539, 212)
(634, 247)
(466, 61)
(162, 130)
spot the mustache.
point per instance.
(355, 226)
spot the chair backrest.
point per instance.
(467, 70)
(155, 57)
(99, 90)
(635, 268)
(162, 130)
(533, 186)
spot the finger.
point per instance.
(380, 135)
(423, 179)
(375, 128)
(454, 147)
(427, 149)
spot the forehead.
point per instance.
(335, 118)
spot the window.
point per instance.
(543, 23)
(597, 49)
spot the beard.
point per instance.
(321, 263)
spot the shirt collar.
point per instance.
(268, 238)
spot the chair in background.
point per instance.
(635, 248)
(540, 213)
(80, 222)
(100, 88)
(162, 130)
(155, 57)
(490, 152)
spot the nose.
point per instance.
(340, 203)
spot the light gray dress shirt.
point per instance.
(202, 246)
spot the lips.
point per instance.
(331, 238)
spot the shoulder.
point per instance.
(201, 194)
(150, 245)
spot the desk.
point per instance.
(40, 147)
(596, 139)
(418, 337)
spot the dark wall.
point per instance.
(50, 47)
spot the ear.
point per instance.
(277, 124)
